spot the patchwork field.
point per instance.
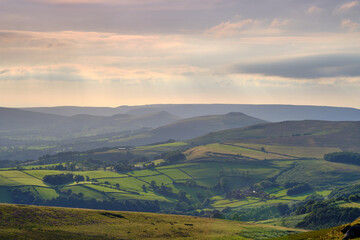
(206, 174)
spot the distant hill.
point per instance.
(272, 113)
(345, 135)
(73, 110)
(16, 121)
(197, 126)
(192, 127)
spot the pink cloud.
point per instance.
(314, 10)
(230, 28)
(350, 25)
(347, 6)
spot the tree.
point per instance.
(79, 178)
(59, 179)
(175, 156)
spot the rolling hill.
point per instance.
(309, 133)
(197, 126)
(14, 121)
(272, 113)
(190, 128)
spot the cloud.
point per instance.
(309, 67)
(277, 23)
(314, 10)
(4, 71)
(47, 73)
(247, 26)
(229, 28)
(350, 25)
(347, 6)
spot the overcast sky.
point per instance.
(131, 52)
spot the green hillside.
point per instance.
(200, 176)
(309, 133)
(40, 223)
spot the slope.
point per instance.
(334, 233)
(309, 133)
(192, 127)
(189, 128)
(29, 222)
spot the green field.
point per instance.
(129, 183)
(47, 193)
(88, 192)
(301, 152)
(18, 178)
(175, 174)
(210, 151)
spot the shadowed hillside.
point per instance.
(192, 127)
(345, 135)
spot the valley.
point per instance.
(230, 167)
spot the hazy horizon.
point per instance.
(136, 105)
(120, 52)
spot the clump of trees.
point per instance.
(62, 179)
(297, 188)
(343, 157)
(173, 157)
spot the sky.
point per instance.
(134, 52)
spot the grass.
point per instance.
(175, 174)
(350, 204)
(88, 192)
(91, 174)
(159, 179)
(303, 152)
(290, 221)
(13, 174)
(207, 152)
(7, 182)
(149, 196)
(47, 193)
(321, 173)
(129, 183)
(40, 147)
(64, 223)
(174, 144)
(143, 173)
(18, 178)
(103, 188)
(182, 166)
